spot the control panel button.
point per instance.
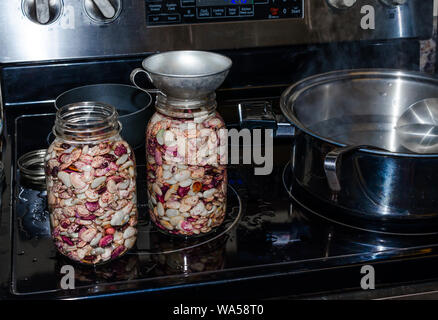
(152, 18)
(295, 11)
(171, 7)
(155, 8)
(173, 18)
(274, 11)
(187, 3)
(218, 12)
(203, 12)
(188, 13)
(163, 18)
(246, 10)
(232, 12)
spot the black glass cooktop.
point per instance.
(266, 234)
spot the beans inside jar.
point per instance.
(91, 191)
(187, 177)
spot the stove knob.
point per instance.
(394, 3)
(42, 11)
(341, 4)
(103, 11)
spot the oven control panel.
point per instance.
(52, 30)
(159, 12)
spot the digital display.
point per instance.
(211, 3)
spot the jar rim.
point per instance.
(86, 121)
(188, 108)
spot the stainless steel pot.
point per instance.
(132, 105)
(346, 152)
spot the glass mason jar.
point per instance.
(91, 186)
(186, 151)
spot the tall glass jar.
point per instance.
(91, 186)
(186, 143)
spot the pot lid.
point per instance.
(357, 107)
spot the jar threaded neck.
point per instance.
(187, 109)
(85, 122)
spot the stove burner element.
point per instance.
(335, 215)
(171, 244)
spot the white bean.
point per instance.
(122, 159)
(129, 232)
(183, 175)
(65, 178)
(171, 212)
(97, 182)
(208, 193)
(186, 183)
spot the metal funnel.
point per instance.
(185, 74)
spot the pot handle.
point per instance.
(259, 114)
(333, 160)
(134, 74)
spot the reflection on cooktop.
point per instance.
(265, 229)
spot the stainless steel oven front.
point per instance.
(41, 30)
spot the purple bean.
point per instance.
(110, 157)
(120, 150)
(89, 217)
(164, 189)
(92, 206)
(65, 224)
(104, 165)
(55, 171)
(67, 240)
(101, 190)
(182, 191)
(158, 158)
(106, 241)
(160, 198)
(55, 232)
(117, 251)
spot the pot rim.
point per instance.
(293, 92)
(57, 107)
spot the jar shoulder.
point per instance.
(212, 120)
